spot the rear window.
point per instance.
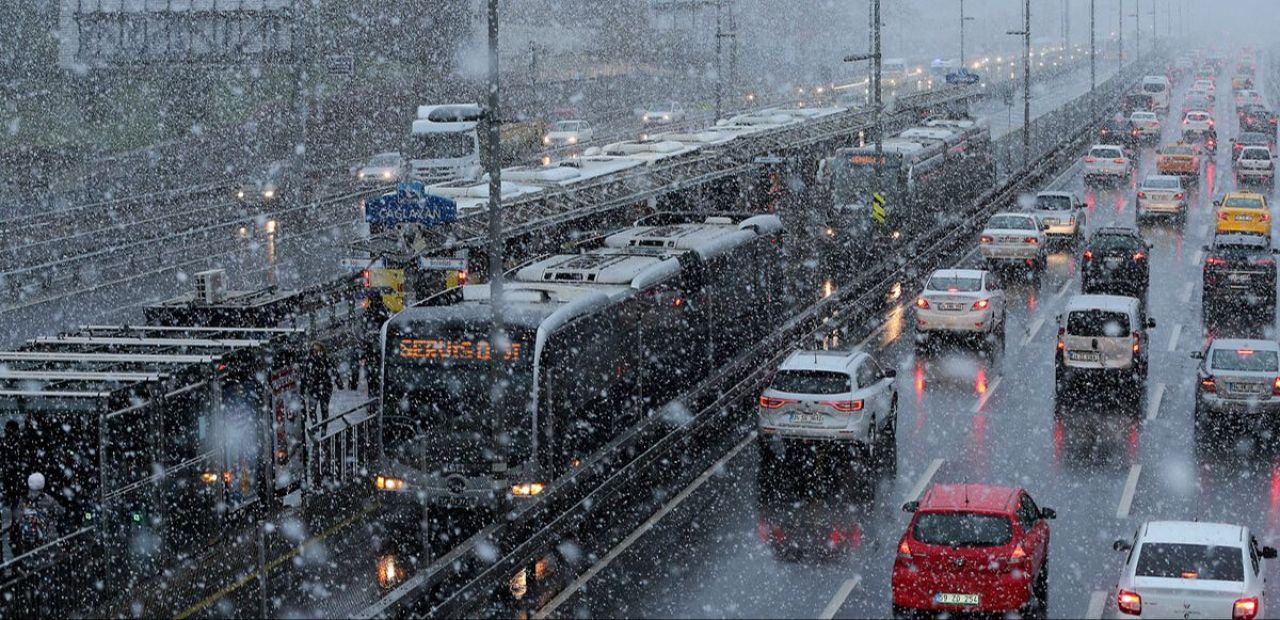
(1153, 87)
(1053, 203)
(1252, 137)
(951, 283)
(962, 529)
(1144, 116)
(1198, 117)
(1161, 183)
(1190, 561)
(1245, 360)
(1098, 323)
(811, 382)
(1110, 242)
(1256, 153)
(1178, 150)
(1106, 153)
(1011, 222)
(1240, 202)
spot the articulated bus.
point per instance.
(597, 341)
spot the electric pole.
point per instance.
(497, 336)
(1025, 33)
(1093, 60)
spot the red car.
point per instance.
(973, 548)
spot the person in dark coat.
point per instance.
(319, 373)
(374, 316)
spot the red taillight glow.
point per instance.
(1179, 196)
(1129, 602)
(922, 303)
(1117, 161)
(1208, 384)
(981, 304)
(1139, 256)
(1142, 194)
(1088, 255)
(1275, 387)
(1223, 216)
(904, 550)
(1030, 240)
(1215, 261)
(1090, 160)
(1266, 217)
(1061, 344)
(1136, 343)
(768, 402)
(1245, 608)
(845, 406)
(986, 239)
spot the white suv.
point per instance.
(1190, 569)
(842, 398)
(1254, 165)
(1101, 335)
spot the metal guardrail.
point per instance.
(712, 400)
(342, 449)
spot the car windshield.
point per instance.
(1153, 87)
(1178, 150)
(1190, 561)
(1244, 359)
(811, 382)
(1094, 323)
(1011, 222)
(1106, 153)
(385, 159)
(1161, 183)
(1144, 116)
(1256, 153)
(1053, 203)
(954, 284)
(567, 126)
(1243, 202)
(1197, 117)
(1252, 137)
(962, 529)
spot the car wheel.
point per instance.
(889, 439)
(1061, 385)
(1039, 604)
(1205, 435)
(903, 613)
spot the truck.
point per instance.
(445, 145)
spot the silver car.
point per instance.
(1162, 194)
(1061, 214)
(1238, 384)
(842, 398)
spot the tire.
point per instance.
(1060, 383)
(1205, 433)
(1038, 606)
(903, 612)
(888, 452)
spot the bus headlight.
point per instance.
(271, 193)
(387, 483)
(527, 489)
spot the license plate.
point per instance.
(948, 598)
(1052, 221)
(1112, 263)
(1084, 356)
(1244, 218)
(951, 306)
(1238, 277)
(808, 419)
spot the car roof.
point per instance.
(1168, 177)
(1194, 532)
(957, 273)
(970, 497)
(833, 361)
(1107, 146)
(1110, 303)
(1255, 148)
(1254, 344)
(1117, 230)
(1014, 213)
(1050, 193)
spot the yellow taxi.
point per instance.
(1243, 212)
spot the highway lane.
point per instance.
(1105, 464)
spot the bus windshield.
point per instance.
(854, 176)
(443, 145)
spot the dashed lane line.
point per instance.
(1186, 293)
(1173, 337)
(841, 596)
(1035, 328)
(1153, 405)
(644, 528)
(1063, 291)
(1097, 601)
(991, 389)
(924, 480)
(1130, 487)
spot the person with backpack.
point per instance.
(319, 373)
(39, 517)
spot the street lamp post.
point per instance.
(963, 19)
(876, 102)
(1025, 33)
(1137, 31)
(497, 336)
(1120, 30)
(1093, 58)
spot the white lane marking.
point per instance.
(631, 538)
(1153, 405)
(923, 482)
(1186, 293)
(1130, 487)
(1035, 328)
(1063, 291)
(1173, 337)
(838, 600)
(982, 400)
(1197, 257)
(1097, 601)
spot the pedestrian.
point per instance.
(39, 517)
(318, 376)
(371, 341)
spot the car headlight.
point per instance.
(666, 117)
(386, 175)
(573, 139)
(645, 117)
(271, 193)
(361, 175)
(240, 194)
(387, 483)
(546, 139)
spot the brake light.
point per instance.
(1088, 255)
(1136, 343)
(1264, 262)
(1266, 217)
(1018, 554)
(904, 550)
(1179, 196)
(1090, 160)
(1215, 261)
(1208, 384)
(1275, 387)
(845, 406)
(922, 303)
(1137, 256)
(1030, 240)
(769, 402)
(1222, 216)
(1245, 608)
(1142, 194)
(986, 239)
(1117, 161)
(1129, 602)
(981, 304)
(1061, 344)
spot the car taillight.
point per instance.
(1129, 602)
(981, 304)
(845, 406)
(1215, 261)
(1142, 194)
(1208, 384)
(1264, 262)
(1030, 240)
(1179, 196)
(986, 239)
(922, 303)
(1090, 160)
(1136, 343)
(904, 550)
(1245, 608)
(1117, 161)
(1061, 344)
(1223, 216)
(1266, 217)
(1088, 255)
(1139, 256)
(768, 402)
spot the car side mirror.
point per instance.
(1151, 323)
(1206, 249)
(1197, 355)
(1269, 553)
(1048, 513)
(1121, 545)
(1217, 203)
(891, 374)
(910, 506)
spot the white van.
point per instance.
(1158, 87)
(1101, 335)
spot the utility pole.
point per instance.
(719, 73)
(1025, 33)
(304, 89)
(1137, 29)
(1093, 60)
(876, 103)
(963, 19)
(1120, 30)
(497, 336)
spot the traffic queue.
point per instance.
(972, 547)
